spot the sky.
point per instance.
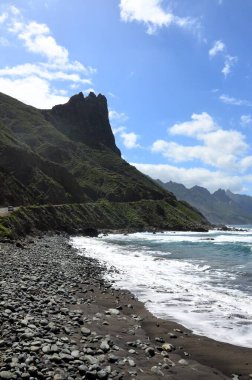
(177, 75)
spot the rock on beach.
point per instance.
(59, 319)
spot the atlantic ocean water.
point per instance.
(201, 280)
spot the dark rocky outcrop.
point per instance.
(84, 120)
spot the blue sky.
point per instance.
(176, 73)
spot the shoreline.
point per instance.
(44, 278)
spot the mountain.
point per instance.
(221, 207)
(68, 155)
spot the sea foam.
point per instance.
(173, 274)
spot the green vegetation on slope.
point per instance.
(73, 218)
(41, 151)
(67, 156)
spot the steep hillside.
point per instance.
(68, 155)
(221, 207)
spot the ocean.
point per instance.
(200, 280)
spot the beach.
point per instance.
(61, 320)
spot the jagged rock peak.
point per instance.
(221, 195)
(80, 98)
(220, 192)
(77, 98)
(200, 189)
(85, 119)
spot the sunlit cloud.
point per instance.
(214, 146)
(152, 14)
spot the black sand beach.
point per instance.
(60, 320)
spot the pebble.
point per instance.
(159, 339)
(85, 331)
(112, 358)
(183, 362)
(168, 347)
(172, 336)
(59, 376)
(102, 374)
(131, 351)
(112, 312)
(131, 362)
(75, 354)
(157, 371)
(104, 346)
(150, 351)
(44, 332)
(7, 375)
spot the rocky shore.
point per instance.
(60, 320)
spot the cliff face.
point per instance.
(84, 120)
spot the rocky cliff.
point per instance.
(84, 120)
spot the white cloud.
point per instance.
(228, 65)
(56, 65)
(200, 124)
(212, 180)
(88, 90)
(219, 148)
(70, 66)
(246, 119)
(41, 71)
(152, 14)
(3, 17)
(115, 116)
(74, 86)
(130, 139)
(218, 47)
(229, 61)
(37, 39)
(14, 10)
(246, 163)
(234, 101)
(118, 130)
(33, 91)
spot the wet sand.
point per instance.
(61, 320)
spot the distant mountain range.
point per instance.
(221, 207)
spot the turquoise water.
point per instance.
(201, 280)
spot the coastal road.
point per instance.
(4, 211)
